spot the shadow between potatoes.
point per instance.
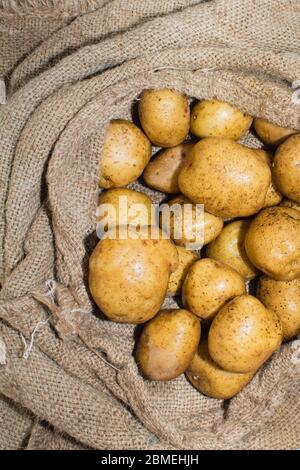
(89, 244)
(134, 111)
(253, 286)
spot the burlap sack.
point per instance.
(68, 366)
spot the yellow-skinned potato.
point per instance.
(270, 133)
(231, 180)
(185, 259)
(286, 168)
(273, 196)
(213, 118)
(126, 152)
(123, 206)
(128, 278)
(272, 242)
(162, 171)
(291, 204)
(199, 230)
(212, 380)
(229, 248)
(208, 285)
(243, 335)
(165, 116)
(283, 297)
(167, 344)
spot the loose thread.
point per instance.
(98, 354)
(51, 286)
(74, 310)
(29, 347)
(171, 67)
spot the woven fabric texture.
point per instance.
(64, 86)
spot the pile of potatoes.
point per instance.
(219, 335)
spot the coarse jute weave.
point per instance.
(78, 385)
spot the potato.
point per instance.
(273, 196)
(128, 278)
(286, 168)
(168, 344)
(208, 285)
(270, 133)
(213, 118)
(126, 152)
(185, 259)
(283, 297)
(243, 335)
(272, 242)
(198, 231)
(231, 180)
(165, 116)
(212, 380)
(229, 248)
(122, 206)
(162, 171)
(291, 204)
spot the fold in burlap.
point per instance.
(50, 8)
(80, 384)
(19, 36)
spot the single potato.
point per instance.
(270, 133)
(291, 204)
(165, 116)
(162, 171)
(126, 152)
(213, 118)
(129, 274)
(190, 229)
(229, 248)
(231, 180)
(286, 168)
(272, 242)
(185, 260)
(208, 285)
(283, 297)
(122, 206)
(212, 380)
(273, 196)
(243, 335)
(167, 344)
